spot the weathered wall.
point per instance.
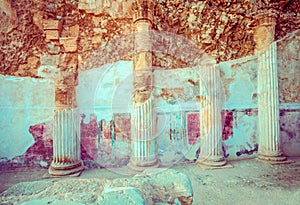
(24, 103)
(239, 79)
(40, 38)
(104, 93)
(289, 92)
(177, 104)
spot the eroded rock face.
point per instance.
(8, 16)
(81, 28)
(157, 186)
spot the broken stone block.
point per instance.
(97, 39)
(47, 71)
(50, 60)
(171, 186)
(68, 62)
(94, 6)
(33, 62)
(86, 5)
(160, 186)
(38, 19)
(51, 24)
(121, 195)
(52, 34)
(69, 43)
(74, 30)
(154, 186)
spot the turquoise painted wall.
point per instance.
(23, 102)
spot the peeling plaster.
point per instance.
(23, 102)
(240, 83)
(244, 135)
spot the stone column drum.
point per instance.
(268, 101)
(66, 142)
(211, 153)
(143, 139)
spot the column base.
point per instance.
(273, 159)
(142, 166)
(213, 163)
(66, 169)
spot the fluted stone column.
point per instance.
(268, 101)
(211, 153)
(66, 137)
(143, 140)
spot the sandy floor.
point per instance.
(249, 182)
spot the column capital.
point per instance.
(143, 10)
(266, 17)
(264, 29)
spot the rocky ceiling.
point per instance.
(222, 28)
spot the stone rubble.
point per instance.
(154, 186)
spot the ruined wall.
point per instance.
(222, 29)
(23, 42)
(177, 103)
(24, 103)
(289, 92)
(42, 38)
(105, 94)
(240, 137)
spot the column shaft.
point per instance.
(143, 143)
(268, 105)
(210, 119)
(143, 140)
(66, 144)
(66, 134)
(268, 101)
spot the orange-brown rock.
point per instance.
(69, 43)
(220, 28)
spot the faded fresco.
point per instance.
(104, 100)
